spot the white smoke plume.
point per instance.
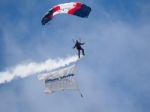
(24, 70)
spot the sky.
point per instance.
(114, 75)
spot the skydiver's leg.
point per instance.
(79, 53)
(83, 51)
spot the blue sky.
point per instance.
(114, 76)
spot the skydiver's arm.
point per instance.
(82, 43)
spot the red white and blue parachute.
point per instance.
(72, 8)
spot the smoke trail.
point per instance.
(25, 70)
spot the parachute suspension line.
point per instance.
(73, 41)
(79, 39)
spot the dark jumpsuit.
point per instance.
(79, 48)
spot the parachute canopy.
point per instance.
(72, 8)
(62, 79)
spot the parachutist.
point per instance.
(79, 48)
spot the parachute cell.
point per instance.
(72, 8)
